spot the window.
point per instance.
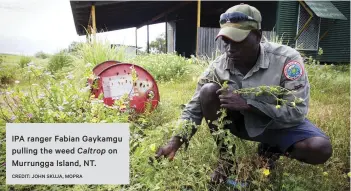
(309, 37)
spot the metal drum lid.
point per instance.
(100, 67)
(117, 80)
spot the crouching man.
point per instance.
(248, 62)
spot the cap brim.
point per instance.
(234, 34)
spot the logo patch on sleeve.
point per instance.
(293, 70)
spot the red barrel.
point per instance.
(100, 67)
(114, 79)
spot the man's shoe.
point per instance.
(269, 154)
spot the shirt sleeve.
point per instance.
(192, 114)
(294, 110)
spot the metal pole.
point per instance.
(166, 35)
(136, 41)
(147, 46)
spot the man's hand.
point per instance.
(232, 101)
(170, 149)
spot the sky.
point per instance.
(30, 26)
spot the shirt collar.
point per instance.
(262, 61)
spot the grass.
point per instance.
(329, 110)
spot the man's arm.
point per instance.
(191, 116)
(289, 114)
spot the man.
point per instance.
(248, 62)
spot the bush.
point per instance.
(97, 52)
(7, 74)
(163, 67)
(41, 55)
(59, 61)
(24, 60)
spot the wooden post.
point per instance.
(147, 45)
(198, 13)
(93, 19)
(198, 25)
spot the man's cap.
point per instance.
(237, 22)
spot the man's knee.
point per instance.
(315, 150)
(210, 103)
(208, 92)
(325, 148)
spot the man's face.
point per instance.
(244, 50)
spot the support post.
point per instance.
(166, 35)
(136, 41)
(198, 25)
(93, 19)
(147, 45)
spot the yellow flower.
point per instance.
(266, 172)
(94, 120)
(349, 174)
(277, 106)
(153, 147)
(325, 173)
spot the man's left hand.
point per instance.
(232, 101)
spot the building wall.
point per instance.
(186, 24)
(336, 44)
(287, 21)
(207, 44)
(209, 47)
(185, 35)
(210, 24)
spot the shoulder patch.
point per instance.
(293, 70)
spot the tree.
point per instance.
(158, 45)
(74, 46)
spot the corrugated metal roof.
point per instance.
(114, 15)
(325, 9)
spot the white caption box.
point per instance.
(98, 153)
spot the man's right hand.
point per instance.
(170, 149)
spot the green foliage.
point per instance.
(8, 70)
(275, 38)
(163, 67)
(42, 55)
(7, 74)
(97, 52)
(24, 60)
(74, 47)
(59, 61)
(159, 44)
